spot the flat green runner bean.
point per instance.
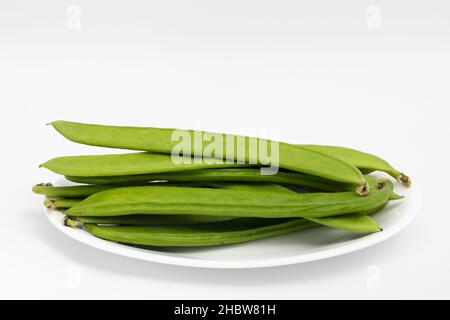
(366, 162)
(356, 222)
(232, 175)
(235, 231)
(227, 175)
(147, 220)
(253, 202)
(350, 222)
(70, 191)
(83, 191)
(121, 164)
(291, 157)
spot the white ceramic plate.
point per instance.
(302, 246)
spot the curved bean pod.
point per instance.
(366, 162)
(356, 222)
(160, 140)
(253, 202)
(350, 222)
(226, 175)
(121, 164)
(83, 191)
(221, 233)
(69, 191)
(148, 220)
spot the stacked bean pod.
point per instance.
(144, 198)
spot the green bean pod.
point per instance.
(83, 191)
(356, 222)
(159, 140)
(237, 202)
(366, 162)
(226, 175)
(200, 178)
(122, 165)
(361, 223)
(70, 191)
(221, 233)
(351, 222)
(147, 220)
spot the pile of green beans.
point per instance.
(145, 198)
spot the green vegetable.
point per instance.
(351, 222)
(120, 165)
(356, 222)
(69, 191)
(291, 157)
(229, 201)
(83, 191)
(235, 231)
(213, 197)
(148, 220)
(204, 177)
(226, 175)
(366, 162)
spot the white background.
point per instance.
(314, 71)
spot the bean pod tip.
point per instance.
(68, 222)
(405, 180)
(49, 204)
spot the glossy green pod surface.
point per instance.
(355, 222)
(224, 175)
(70, 191)
(159, 140)
(235, 231)
(366, 162)
(350, 222)
(121, 164)
(253, 202)
(152, 220)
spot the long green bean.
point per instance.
(291, 157)
(70, 191)
(235, 231)
(83, 191)
(148, 220)
(226, 175)
(253, 202)
(350, 222)
(366, 162)
(121, 164)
